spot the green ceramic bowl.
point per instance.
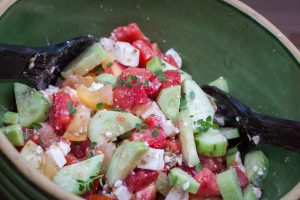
(216, 38)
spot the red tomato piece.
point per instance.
(190, 170)
(71, 159)
(154, 86)
(148, 193)
(129, 33)
(172, 78)
(169, 59)
(116, 69)
(140, 95)
(214, 164)
(31, 135)
(208, 183)
(98, 197)
(243, 179)
(78, 149)
(59, 115)
(158, 142)
(153, 121)
(92, 192)
(135, 76)
(140, 179)
(174, 145)
(146, 53)
(156, 50)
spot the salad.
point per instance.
(127, 123)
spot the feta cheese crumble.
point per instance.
(153, 160)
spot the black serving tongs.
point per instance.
(42, 64)
(257, 129)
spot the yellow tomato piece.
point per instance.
(108, 62)
(74, 81)
(78, 128)
(92, 97)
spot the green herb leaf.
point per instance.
(155, 133)
(146, 83)
(72, 110)
(26, 135)
(198, 167)
(132, 78)
(101, 181)
(192, 95)
(204, 126)
(99, 106)
(109, 64)
(81, 187)
(91, 185)
(209, 119)
(122, 82)
(117, 109)
(128, 85)
(77, 143)
(138, 127)
(90, 155)
(93, 144)
(80, 181)
(37, 126)
(182, 102)
(161, 75)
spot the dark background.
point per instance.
(284, 14)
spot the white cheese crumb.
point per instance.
(177, 194)
(57, 155)
(39, 149)
(256, 139)
(108, 134)
(47, 93)
(179, 159)
(186, 186)
(237, 119)
(118, 183)
(175, 56)
(64, 147)
(122, 193)
(153, 160)
(126, 54)
(71, 92)
(108, 44)
(257, 192)
(95, 86)
(167, 159)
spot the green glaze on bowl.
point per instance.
(214, 39)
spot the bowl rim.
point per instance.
(45, 184)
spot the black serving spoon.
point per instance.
(256, 128)
(42, 64)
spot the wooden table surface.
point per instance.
(284, 14)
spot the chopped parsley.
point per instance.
(155, 131)
(89, 183)
(109, 64)
(77, 143)
(37, 126)
(99, 106)
(26, 135)
(204, 125)
(117, 109)
(93, 144)
(198, 167)
(90, 155)
(161, 75)
(72, 110)
(146, 83)
(138, 127)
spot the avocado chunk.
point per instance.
(14, 134)
(257, 166)
(186, 138)
(155, 64)
(169, 101)
(124, 160)
(220, 83)
(211, 143)
(86, 61)
(76, 178)
(182, 180)
(32, 106)
(248, 193)
(108, 125)
(229, 185)
(197, 101)
(107, 79)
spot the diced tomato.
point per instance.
(30, 134)
(71, 159)
(78, 149)
(214, 164)
(129, 33)
(140, 74)
(158, 142)
(208, 183)
(47, 135)
(146, 53)
(154, 86)
(153, 121)
(148, 193)
(59, 115)
(172, 78)
(125, 97)
(243, 179)
(140, 179)
(156, 50)
(140, 109)
(169, 59)
(189, 170)
(93, 191)
(174, 145)
(116, 69)
(98, 197)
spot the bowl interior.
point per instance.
(214, 39)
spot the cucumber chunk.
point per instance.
(249, 194)
(232, 155)
(186, 138)
(229, 185)
(220, 83)
(257, 166)
(124, 160)
(86, 61)
(162, 183)
(211, 143)
(107, 79)
(198, 103)
(14, 134)
(72, 176)
(230, 133)
(32, 106)
(182, 180)
(155, 64)
(108, 125)
(169, 101)
(10, 118)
